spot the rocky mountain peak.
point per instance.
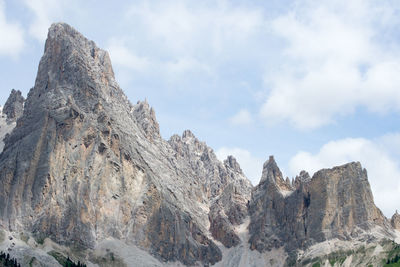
(84, 168)
(270, 170)
(309, 213)
(188, 144)
(302, 178)
(73, 63)
(146, 118)
(232, 163)
(272, 173)
(14, 106)
(187, 134)
(395, 221)
(85, 165)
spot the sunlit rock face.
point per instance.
(9, 114)
(14, 106)
(84, 164)
(395, 221)
(84, 167)
(335, 203)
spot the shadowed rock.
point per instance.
(14, 106)
(335, 203)
(395, 221)
(84, 164)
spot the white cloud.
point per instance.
(243, 117)
(11, 37)
(185, 26)
(123, 56)
(251, 165)
(45, 13)
(334, 62)
(185, 40)
(374, 155)
(126, 57)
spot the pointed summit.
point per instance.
(74, 62)
(14, 105)
(232, 163)
(272, 173)
(271, 170)
(395, 221)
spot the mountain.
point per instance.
(86, 175)
(9, 114)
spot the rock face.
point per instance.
(335, 203)
(84, 164)
(9, 115)
(395, 221)
(223, 183)
(84, 167)
(230, 208)
(14, 107)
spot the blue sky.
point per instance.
(315, 83)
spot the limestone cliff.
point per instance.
(83, 164)
(89, 170)
(395, 221)
(14, 105)
(335, 203)
(9, 114)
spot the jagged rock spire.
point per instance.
(271, 170)
(146, 118)
(395, 221)
(232, 163)
(272, 173)
(14, 106)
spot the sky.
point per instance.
(314, 83)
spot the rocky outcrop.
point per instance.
(395, 221)
(224, 184)
(9, 114)
(146, 119)
(335, 203)
(14, 107)
(200, 160)
(230, 208)
(84, 164)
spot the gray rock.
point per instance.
(84, 164)
(14, 106)
(335, 203)
(395, 221)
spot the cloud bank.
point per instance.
(339, 56)
(12, 35)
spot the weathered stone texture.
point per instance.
(335, 203)
(84, 164)
(14, 106)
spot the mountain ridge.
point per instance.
(84, 166)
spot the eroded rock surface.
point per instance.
(14, 107)
(84, 164)
(395, 221)
(335, 203)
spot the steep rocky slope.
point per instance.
(335, 204)
(83, 164)
(9, 114)
(86, 174)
